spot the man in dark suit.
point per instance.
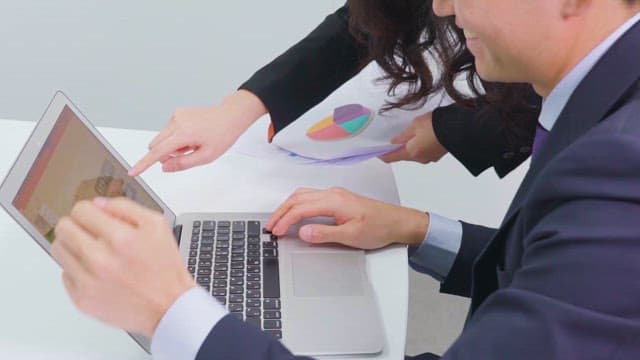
(305, 75)
(557, 280)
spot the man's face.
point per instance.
(511, 40)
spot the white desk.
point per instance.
(37, 319)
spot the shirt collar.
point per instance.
(559, 96)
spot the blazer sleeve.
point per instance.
(479, 139)
(232, 338)
(309, 71)
(575, 293)
(474, 239)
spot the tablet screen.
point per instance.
(73, 165)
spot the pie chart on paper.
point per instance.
(347, 121)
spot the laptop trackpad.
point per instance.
(327, 274)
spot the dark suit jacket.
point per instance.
(329, 56)
(560, 278)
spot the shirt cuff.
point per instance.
(438, 251)
(185, 326)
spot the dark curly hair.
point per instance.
(398, 34)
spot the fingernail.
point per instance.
(100, 201)
(306, 232)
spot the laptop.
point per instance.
(316, 299)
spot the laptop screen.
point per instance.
(73, 165)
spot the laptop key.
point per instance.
(236, 308)
(222, 237)
(222, 300)
(191, 269)
(221, 267)
(237, 272)
(269, 253)
(271, 278)
(253, 312)
(252, 285)
(208, 225)
(270, 245)
(196, 223)
(192, 261)
(271, 314)
(236, 290)
(237, 251)
(271, 304)
(253, 227)
(203, 280)
(275, 333)
(254, 303)
(237, 265)
(222, 258)
(253, 247)
(237, 281)
(206, 248)
(193, 246)
(237, 236)
(204, 271)
(220, 292)
(238, 226)
(207, 256)
(253, 294)
(253, 253)
(272, 324)
(222, 251)
(220, 274)
(253, 240)
(236, 298)
(253, 261)
(254, 277)
(253, 269)
(237, 257)
(219, 283)
(195, 230)
(223, 231)
(193, 253)
(222, 244)
(224, 224)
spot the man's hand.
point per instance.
(420, 143)
(120, 263)
(360, 222)
(197, 136)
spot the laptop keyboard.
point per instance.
(237, 262)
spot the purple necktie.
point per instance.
(539, 139)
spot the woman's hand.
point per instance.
(197, 136)
(420, 143)
(360, 222)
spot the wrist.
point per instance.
(416, 225)
(246, 105)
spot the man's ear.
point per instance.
(571, 8)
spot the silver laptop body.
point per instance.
(326, 305)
